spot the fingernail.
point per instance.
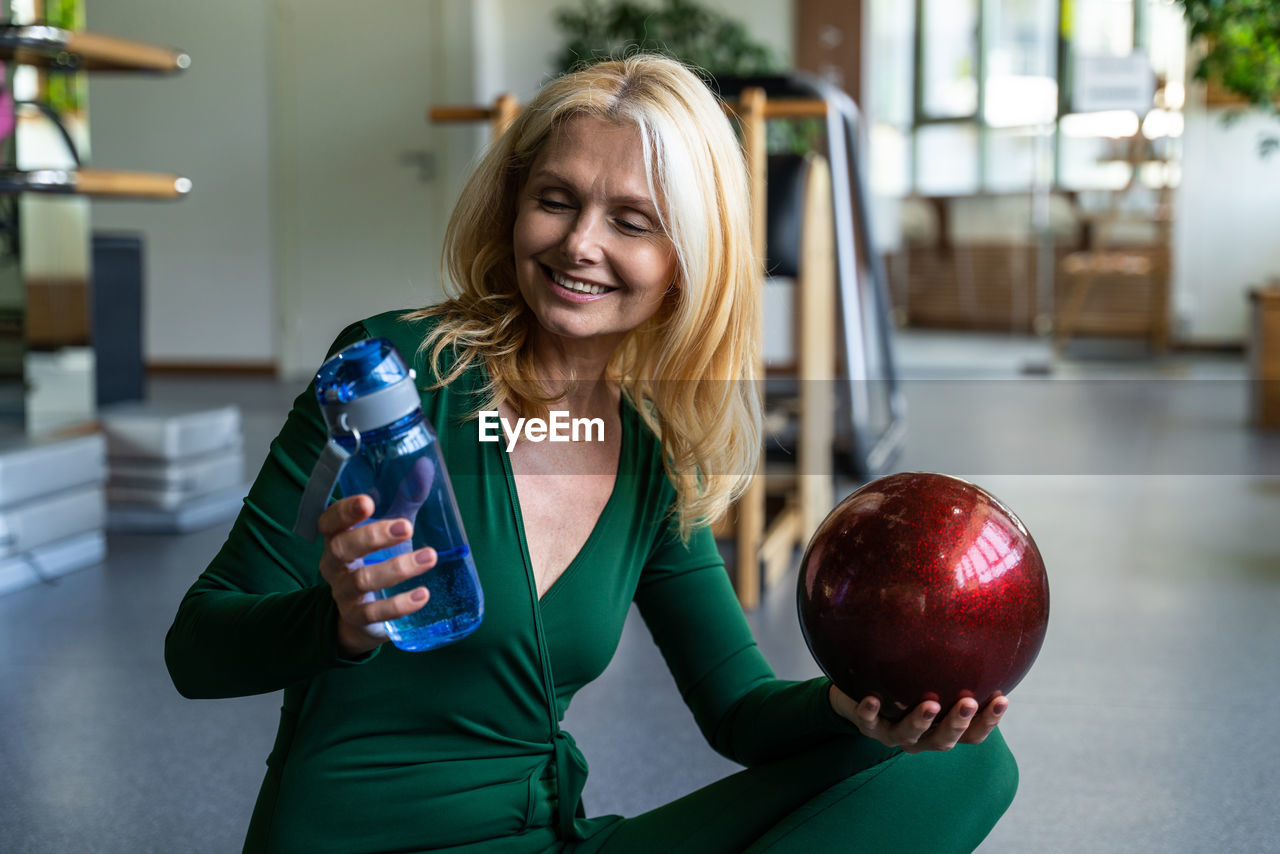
(872, 707)
(424, 556)
(928, 716)
(966, 711)
(418, 595)
(999, 708)
(400, 529)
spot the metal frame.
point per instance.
(871, 448)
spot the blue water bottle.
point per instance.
(380, 444)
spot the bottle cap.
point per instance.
(364, 387)
(361, 388)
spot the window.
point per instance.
(994, 106)
(948, 59)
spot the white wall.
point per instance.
(1228, 208)
(359, 223)
(209, 295)
(216, 260)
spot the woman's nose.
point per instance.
(582, 243)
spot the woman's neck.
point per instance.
(575, 372)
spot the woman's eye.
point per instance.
(632, 227)
(553, 205)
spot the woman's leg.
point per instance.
(849, 795)
(930, 802)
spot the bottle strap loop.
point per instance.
(324, 477)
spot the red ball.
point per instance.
(919, 587)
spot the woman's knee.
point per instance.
(965, 790)
(1004, 767)
(989, 768)
(989, 772)
(885, 800)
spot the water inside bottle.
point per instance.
(453, 609)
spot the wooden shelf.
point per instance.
(100, 183)
(67, 50)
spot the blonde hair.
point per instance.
(690, 369)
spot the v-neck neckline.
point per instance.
(513, 494)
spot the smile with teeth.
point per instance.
(576, 286)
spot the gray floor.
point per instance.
(1145, 725)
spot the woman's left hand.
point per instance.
(916, 733)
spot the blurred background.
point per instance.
(1063, 282)
(992, 131)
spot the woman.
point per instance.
(601, 265)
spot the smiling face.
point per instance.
(592, 261)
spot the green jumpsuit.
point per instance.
(460, 748)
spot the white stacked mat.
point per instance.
(51, 508)
(172, 469)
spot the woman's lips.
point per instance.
(555, 280)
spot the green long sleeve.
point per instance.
(745, 713)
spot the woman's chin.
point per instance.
(578, 332)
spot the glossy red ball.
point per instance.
(922, 586)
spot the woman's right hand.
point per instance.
(353, 584)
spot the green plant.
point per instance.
(1242, 50)
(682, 29)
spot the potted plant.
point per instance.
(720, 46)
(1241, 53)
(682, 29)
